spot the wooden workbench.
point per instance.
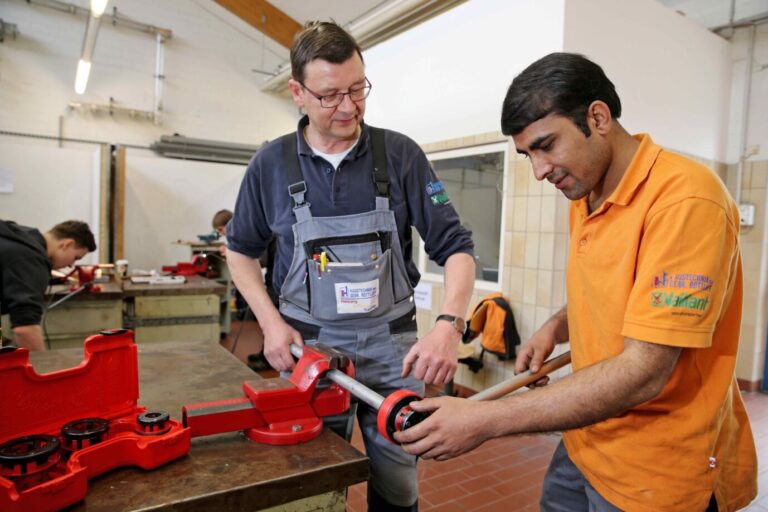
(190, 311)
(225, 472)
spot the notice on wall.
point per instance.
(422, 296)
(6, 182)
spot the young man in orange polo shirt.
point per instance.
(652, 415)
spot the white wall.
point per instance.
(50, 185)
(168, 200)
(757, 129)
(209, 92)
(673, 76)
(447, 77)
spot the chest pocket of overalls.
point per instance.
(354, 281)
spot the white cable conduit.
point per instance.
(89, 42)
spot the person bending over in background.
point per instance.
(350, 194)
(652, 413)
(219, 223)
(26, 260)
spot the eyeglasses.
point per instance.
(358, 93)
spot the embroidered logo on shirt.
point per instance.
(683, 280)
(672, 300)
(436, 192)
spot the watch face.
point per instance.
(460, 324)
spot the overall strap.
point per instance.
(380, 175)
(297, 187)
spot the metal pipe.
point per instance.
(745, 113)
(358, 390)
(159, 78)
(504, 388)
(113, 18)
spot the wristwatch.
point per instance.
(457, 322)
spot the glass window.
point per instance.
(474, 180)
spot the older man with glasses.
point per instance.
(341, 198)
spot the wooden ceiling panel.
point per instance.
(265, 17)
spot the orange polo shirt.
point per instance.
(659, 262)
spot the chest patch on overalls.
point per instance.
(357, 297)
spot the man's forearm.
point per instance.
(246, 274)
(589, 395)
(29, 336)
(459, 281)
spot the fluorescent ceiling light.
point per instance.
(81, 79)
(98, 7)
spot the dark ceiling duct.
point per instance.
(178, 146)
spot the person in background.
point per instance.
(350, 194)
(652, 415)
(219, 223)
(26, 260)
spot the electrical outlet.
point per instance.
(747, 214)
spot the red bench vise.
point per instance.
(59, 429)
(290, 411)
(198, 265)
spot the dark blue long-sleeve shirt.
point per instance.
(417, 198)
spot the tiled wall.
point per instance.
(535, 251)
(535, 248)
(749, 367)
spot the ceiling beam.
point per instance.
(265, 17)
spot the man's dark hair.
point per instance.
(220, 218)
(321, 40)
(77, 231)
(564, 84)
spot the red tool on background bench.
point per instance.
(198, 265)
(290, 411)
(59, 429)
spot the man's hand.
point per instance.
(435, 357)
(278, 336)
(455, 426)
(29, 336)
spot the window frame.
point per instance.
(493, 147)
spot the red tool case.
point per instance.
(59, 429)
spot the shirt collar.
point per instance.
(634, 176)
(360, 148)
(637, 172)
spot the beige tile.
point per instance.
(517, 249)
(527, 321)
(558, 288)
(533, 220)
(530, 281)
(532, 250)
(523, 174)
(520, 213)
(534, 186)
(544, 289)
(751, 254)
(560, 251)
(546, 251)
(759, 174)
(548, 213)
(562, 208)
(514, 289)
(542, 315)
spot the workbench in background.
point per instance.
(185, 311)
(219, 267)
(83, 315)
(225, 472)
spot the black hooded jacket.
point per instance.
(25, 271)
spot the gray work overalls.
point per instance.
(347, 288)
